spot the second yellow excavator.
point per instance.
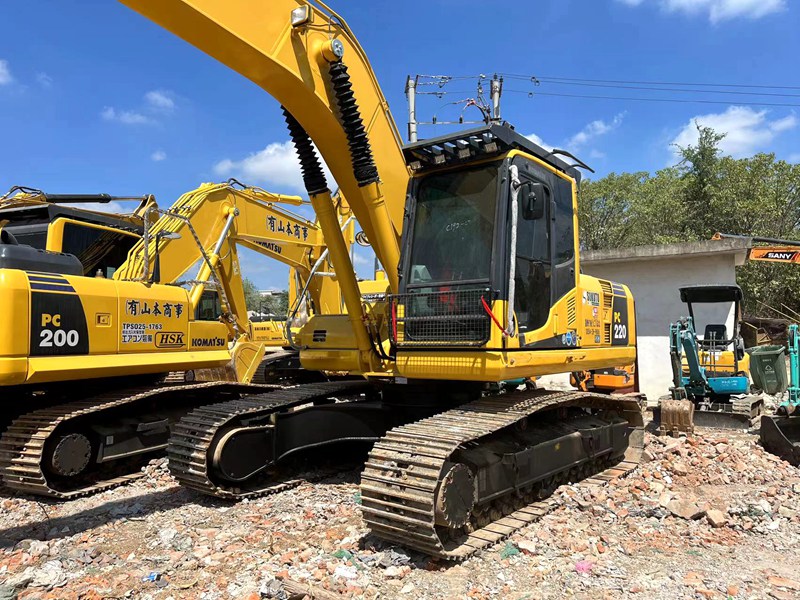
(135, 320)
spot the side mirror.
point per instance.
(533, 198)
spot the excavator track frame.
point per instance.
(25, 443)
(194, 438)
(405, 470)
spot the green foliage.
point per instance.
(276, 303)
(704, 193)
(251, 296)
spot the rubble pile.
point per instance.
(713, 516)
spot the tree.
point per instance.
(704, 193)
(700, 166)
(252, 298)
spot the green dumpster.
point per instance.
(768, 368)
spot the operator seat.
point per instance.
(716, 336)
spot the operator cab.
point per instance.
(459, 230)
(54, 238)
(717, 303)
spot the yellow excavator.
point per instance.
(477, 234)
(477, 231)
(91, 423)
(53, 223)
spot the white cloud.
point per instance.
(5, 73)
(44, 80)
(127, 117)
(539, 141)
(158, 155)
(157, 103)
(160, 100)
(746, 130)
(593, 130)
(276, 166)
(718, 10)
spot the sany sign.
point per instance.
(776, 255)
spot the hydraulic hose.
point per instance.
(364, 167)
(313, 176)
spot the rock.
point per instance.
(680, 469)
(527, 546)
(344, 572)
(394, 572)
(787, 512)
(50, 575)
(685, 509)
(407, 588)
(693, 578)
(167, 534)
(716, 518)
(8, 592)
(783, 582)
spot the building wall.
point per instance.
(654, 283)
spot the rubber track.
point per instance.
(194, 434)
(22, 445)
(402, 473)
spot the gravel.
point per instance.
(714, 516)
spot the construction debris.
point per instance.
(713, 516)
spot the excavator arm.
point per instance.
(305, 56)
(210, 223)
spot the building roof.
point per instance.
(737, 247)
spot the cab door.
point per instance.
(545, 251)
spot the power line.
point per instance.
(670, 89)
(623, 81)
(532, 94)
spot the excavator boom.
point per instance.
(287, 47)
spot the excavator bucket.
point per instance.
(781, 436)
(674, 417)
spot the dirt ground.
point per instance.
(714, 516)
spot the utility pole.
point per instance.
(411, 95)
(496, 91)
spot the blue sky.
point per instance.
(94, 98)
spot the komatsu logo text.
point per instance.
(208, 342)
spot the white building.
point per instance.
(654, 274)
